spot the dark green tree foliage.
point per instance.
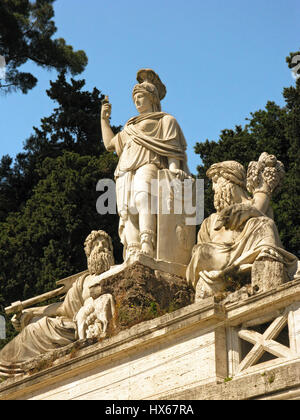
(26, 33)
(275, 130)
(48, 196)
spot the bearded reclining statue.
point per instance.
(242, 231)
(78, 316)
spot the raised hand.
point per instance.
(105, 109)
(21, 319)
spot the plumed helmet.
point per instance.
(150, 83)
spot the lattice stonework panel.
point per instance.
(265, 340)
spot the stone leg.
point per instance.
(132, 235)
(147, 224)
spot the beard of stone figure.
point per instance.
(226, 193)
(99, 260)
(223, 193)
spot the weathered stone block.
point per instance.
(268, 274)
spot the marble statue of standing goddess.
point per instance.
(148, 142)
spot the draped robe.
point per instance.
(257, 235)
(144, 147)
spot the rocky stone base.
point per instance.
(142, 293)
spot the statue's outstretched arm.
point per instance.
(263, 178)
(21, 319)
(107, 133)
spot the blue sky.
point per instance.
(220, 60)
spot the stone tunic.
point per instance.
(144, 147)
